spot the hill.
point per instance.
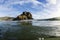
(6, 18)
(52, 19)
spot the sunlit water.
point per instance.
(28, 30)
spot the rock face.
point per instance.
(24, 16)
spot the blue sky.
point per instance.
(40, 9)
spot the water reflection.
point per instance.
(24, 32)
(27, 30)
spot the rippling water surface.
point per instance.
(28, 30)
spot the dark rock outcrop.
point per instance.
(24, 16)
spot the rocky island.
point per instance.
(24, 16)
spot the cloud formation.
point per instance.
(51, 9)
(38, 8)
(7, 6)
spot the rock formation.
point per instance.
(24, 16)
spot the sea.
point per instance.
(29, 30)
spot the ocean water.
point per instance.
(29, 29)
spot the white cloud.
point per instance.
(6, 10)
(54, 7)
(21, 2)
(52, 1)
(51, 9)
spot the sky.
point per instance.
(40, 9)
